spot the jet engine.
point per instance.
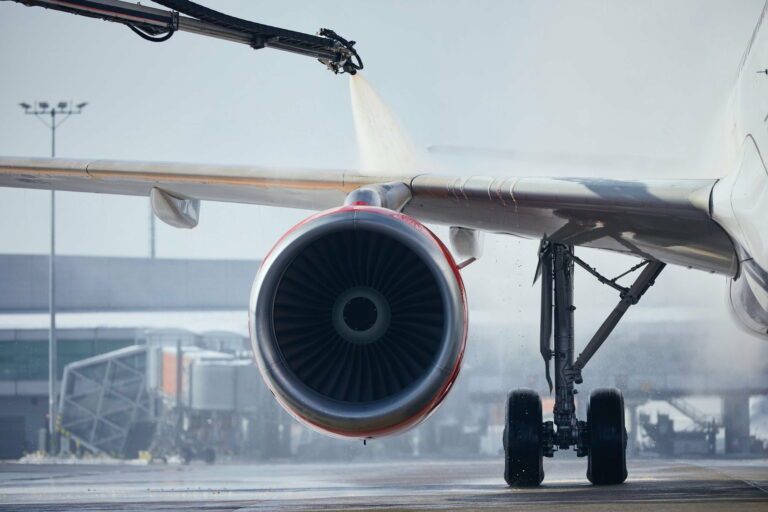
(358, 321)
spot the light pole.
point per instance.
(42, 110)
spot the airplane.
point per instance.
(358, 314)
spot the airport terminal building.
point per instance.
(155, 310)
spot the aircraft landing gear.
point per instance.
(603, 437)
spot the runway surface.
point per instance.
(395, 485)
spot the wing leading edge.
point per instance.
(292, 188)
(666, 220)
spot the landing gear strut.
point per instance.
(603, 437)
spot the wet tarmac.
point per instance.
(695, 485)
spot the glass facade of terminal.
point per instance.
(28, 359)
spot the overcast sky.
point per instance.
(636, 84)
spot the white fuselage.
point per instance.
(739, 201)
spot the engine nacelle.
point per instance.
(358, 321)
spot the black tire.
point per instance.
(607, 463)
(523, 450)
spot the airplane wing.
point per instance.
(665, 220)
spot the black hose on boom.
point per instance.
(152, 38)
(334, 51)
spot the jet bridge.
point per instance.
(169, 397)
(105, 405)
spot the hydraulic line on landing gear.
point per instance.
(157, 25)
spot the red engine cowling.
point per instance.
(358, 321)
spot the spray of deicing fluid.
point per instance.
(385, 148)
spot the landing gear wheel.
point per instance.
(607, 438)
(523, 449)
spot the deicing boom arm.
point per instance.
(158, 25)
